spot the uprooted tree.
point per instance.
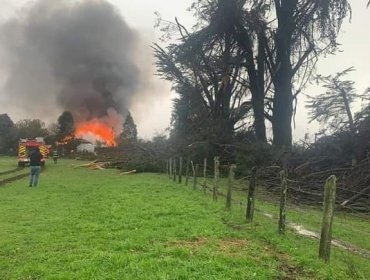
(333, 108)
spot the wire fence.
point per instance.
(207, 178)
(299, 190)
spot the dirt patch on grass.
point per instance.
(11, 171)
(287, 269)
(231, 225)
(228, 243)
(227, 246)
(232, 247)
(12, 179)
(191, 244)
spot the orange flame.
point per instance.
(66, 140)
(97, 129)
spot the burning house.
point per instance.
(72, 56)
(85, 147)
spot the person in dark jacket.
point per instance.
(35, 166)
(55, 156)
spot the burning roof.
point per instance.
(98, 130)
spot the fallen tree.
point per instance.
(306, 181)
(127, 157)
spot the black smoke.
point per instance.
(76, 55)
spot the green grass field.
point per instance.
(350, 228)
(85, 224)
(7, 163)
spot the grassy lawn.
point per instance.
(350, 228)
(7, 163)
(84, 224)
(10, 164)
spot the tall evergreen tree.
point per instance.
(129, 133)
(5, 124)
(208, 77)
(6, 133)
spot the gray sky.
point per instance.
(152, 112)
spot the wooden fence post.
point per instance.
(195, 170)
(217, 174)
(205, 175)
(230, 185)
(174, 169)
(170, 168)
(250, 201)
(282, 213)
(327, 220)
(187, 171)
(180, 171)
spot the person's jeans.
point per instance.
(34, 176)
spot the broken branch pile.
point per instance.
(95, 165)
(129, 157)
(306, 181)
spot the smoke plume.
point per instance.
(76, 56)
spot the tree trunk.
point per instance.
(283, 98)
(350, 121)
(259, 116)
(283, 103)
(223, 130)
(256, 79)
(258, 97)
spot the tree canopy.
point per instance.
(245, 54)
(333, 108)
(31, 128)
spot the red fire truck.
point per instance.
(27, 145)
